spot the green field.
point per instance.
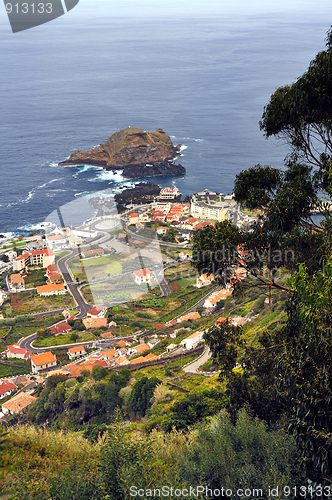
(63, 339)
(96, 267)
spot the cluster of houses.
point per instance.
(43, 258)
(60, 239)
(204, 205)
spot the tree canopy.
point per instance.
(287, 370)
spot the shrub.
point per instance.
(245, 455)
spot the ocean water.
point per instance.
(200, 70)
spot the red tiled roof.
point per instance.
(142, 272)
(54, 276)
(158, 326)
(16, 349)
(93, 252)
(96, 310)
(46, 251)
(52, 268)
(6, 386)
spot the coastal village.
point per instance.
(120, 291)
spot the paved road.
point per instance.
(82, 305)
(160, 242)
(193, 367)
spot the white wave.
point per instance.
(82, 192)
(47, 183)
(183, 147)
(36, 227)
(7, 236)
(108, 175)
(199, 140)
(85, 168)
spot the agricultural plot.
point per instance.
(30, 302)
(94, 268)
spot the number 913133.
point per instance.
(29, 8)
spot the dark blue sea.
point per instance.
(200, 70)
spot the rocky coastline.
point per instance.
(137, 153)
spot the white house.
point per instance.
(142, 276)
(76, 352)
(6, 387)
(16, 351)
(204, 280)
(192, 341)
(17, 403)
(215, 297)
(40, 258)
(16, 282)
(97, 312)
(42, 361)
(54, 289)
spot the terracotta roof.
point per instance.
(220, 295)
(133, 215)
(122, 361)
(121, 343)
(94, 322)
(76, 370)
(77, 348)
(107, 335)
(55, 237)
(150, 357)
(186, 317)
(141, 359)
(220, 320)
(142, 347)
(18, 402)
(194, 335)
(50, 288)
(16, 278)
(110, 354)
(43, 359)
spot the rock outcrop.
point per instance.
(137, 153)
(143, 192)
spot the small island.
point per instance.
(138, 153)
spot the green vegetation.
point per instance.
(51, 340)
(265, 419)
(286, 364)
(53, 465)
(25, 302)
